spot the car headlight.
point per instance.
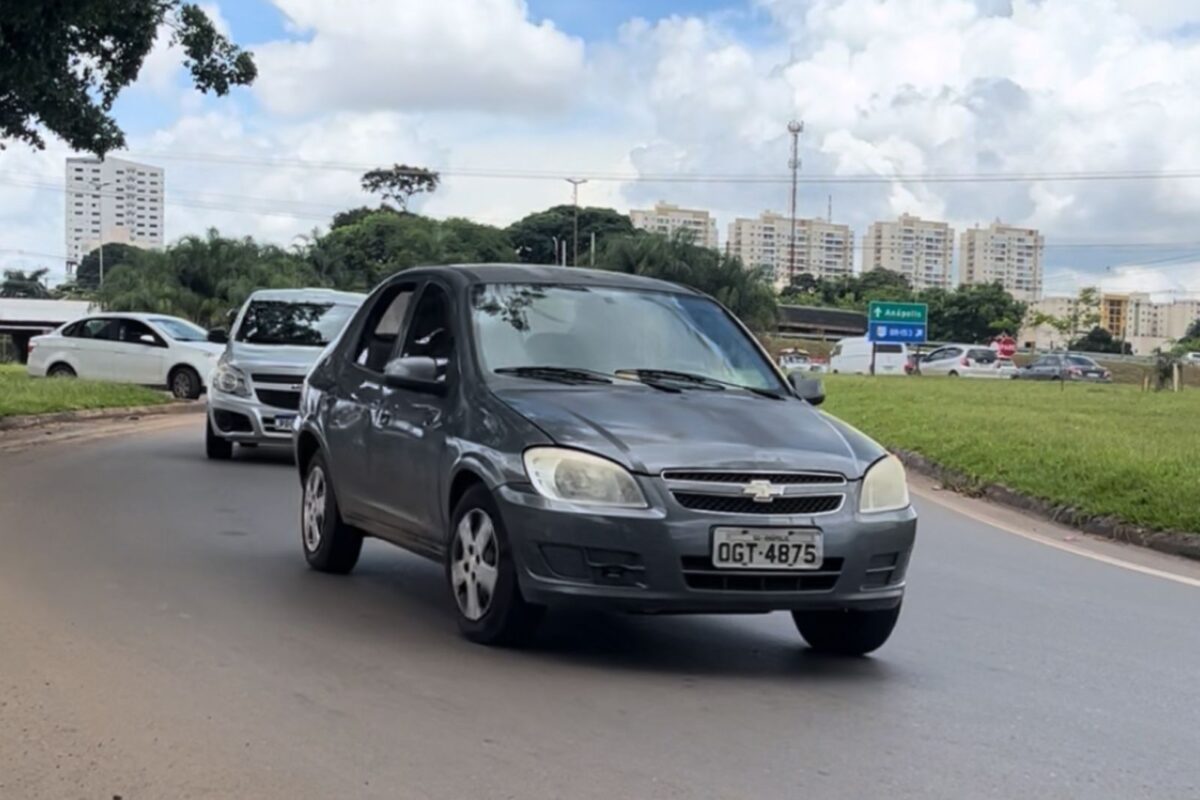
(884, 488)
(230, 380)
(581, 478)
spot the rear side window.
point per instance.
(982, 354)
(95, 329)
(888, 348)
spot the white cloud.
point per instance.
(449, 54)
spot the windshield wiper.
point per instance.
(561, 374)
(652, 375)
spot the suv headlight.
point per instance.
(884, 488)
(230, 380)
(581, 478)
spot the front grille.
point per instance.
(279, 399)
(724, 504)
(778, 478)
(699, 573)
(267, 377)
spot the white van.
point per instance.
(853, 357)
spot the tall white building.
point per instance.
(666, 219)
(823, 249)
(112, 201)
(1004, 253)
(920, 249)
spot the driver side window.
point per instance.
(429, 333)
(383, 327)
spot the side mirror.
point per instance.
(218, 336)
(416, 373)
(809, 389)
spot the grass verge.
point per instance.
(1107, 450)
(20, 394)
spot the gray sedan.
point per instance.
(1070, 367)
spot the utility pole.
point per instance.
(795, 128)
(96, 187)
(575, 184)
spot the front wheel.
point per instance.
(846, 632)
(330, 545)
(215, 447)
(483, 576)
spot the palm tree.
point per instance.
(18, 283)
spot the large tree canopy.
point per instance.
(533, 236)
(63, 63)
(400, 182)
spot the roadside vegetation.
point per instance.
(20, 394)
(1104, 449)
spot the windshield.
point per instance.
(180, 330)
(605, 330)
(286, 323)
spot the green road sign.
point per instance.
(880, 311)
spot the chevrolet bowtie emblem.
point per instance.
(763, 491)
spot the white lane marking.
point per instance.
(1064, 546)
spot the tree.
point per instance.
(18, 283)
(1193, 331)
(534, 236)
(87, 274)
(747, 293)
(350, 216)
(400, 182)
(1083, 314)
(1099, 340)
(62, 64)
(972, 312)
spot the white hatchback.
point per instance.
(150, 349)
(967, 361)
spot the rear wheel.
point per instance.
(60, 371)
(185, 383)
(330, 545)
(953, 373)
(847, 632)
(483, 576)
(215, 447)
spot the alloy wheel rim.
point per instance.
(183, 385)
(314, 509)
(475, 564)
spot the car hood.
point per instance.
(649, 431)
(287, 359)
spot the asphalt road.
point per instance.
(161, 637)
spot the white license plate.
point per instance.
(767, 548)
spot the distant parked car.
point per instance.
(150, 349)
(853, 356)
(967, 361)
(1069, 366)
(1191, 358)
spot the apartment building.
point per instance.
(920, 249)
(1134, 318)
(1004, 253)
(111, 201)
(666, 219)
(823, 249)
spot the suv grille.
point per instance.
(725, 504)
(267, 377)
(780, 478)
(699, 573)
(280, 399)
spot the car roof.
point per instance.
(549, 274)
(308, 295)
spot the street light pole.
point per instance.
(795, 128)
(575, 184)
(96, 187)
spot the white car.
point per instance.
(150, 349)
(967, 361)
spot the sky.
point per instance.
(632, 91)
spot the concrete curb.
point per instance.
(21, 423)
(1176, 543)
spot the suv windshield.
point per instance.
(288, 323)
(180, 330)
(608, 329)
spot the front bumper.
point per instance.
(247, 420)
(658, 560)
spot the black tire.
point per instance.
(215, 447)
(330, 545)
(60, 371)
(506, 618)
(185, 383)
(846, 632)
(952, 374)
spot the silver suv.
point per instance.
(255, 389)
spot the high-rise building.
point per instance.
(1134, 318)
(1004, 253)
(666, 219)
(920, 249)
(112, 201)
(822, 249)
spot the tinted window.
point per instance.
(96, 328)
(286, 323)
(609, 329)
(130, 331)
(982, 354)
(381, 328)
(1082, 361)
(429, 333)
(180, 330)
(889, 348)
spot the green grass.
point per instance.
(1104, 449)
(20, 394)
